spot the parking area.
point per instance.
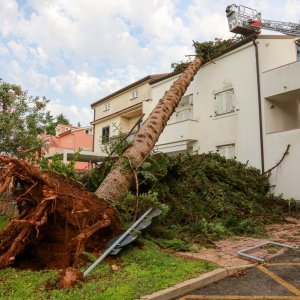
(277, 279)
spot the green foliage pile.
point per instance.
(205, 197)
(210, 49)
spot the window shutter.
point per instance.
(229, 101)
(224, 102)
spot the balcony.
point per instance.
(281, 90)
(282, 83)
(177, 136)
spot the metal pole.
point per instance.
(106, 252)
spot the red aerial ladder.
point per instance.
(246, 21)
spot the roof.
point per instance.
(276, 36)
(165, 77)
(148, 78)
(74, 129)
(234, 46)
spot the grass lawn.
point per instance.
(142, 271)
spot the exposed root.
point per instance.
(56, 218)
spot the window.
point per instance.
(105, 135)
(88, 131)
(224, 102)
(106, 106)
(227, 151)
(184, 111)
(134, 94)
(67, 128)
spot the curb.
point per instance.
(187, 286)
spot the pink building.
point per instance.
(67, 141)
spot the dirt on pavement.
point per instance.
(225, 252)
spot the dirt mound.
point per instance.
(56, 218)
(69, 277)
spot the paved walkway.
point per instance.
(277, 279)
(225, 253)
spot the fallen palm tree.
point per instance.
(57, 219)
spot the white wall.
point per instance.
(234, 70)
(114, 124)
(280, 87)
(275, 52)
(287, 176)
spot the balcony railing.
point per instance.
(182, 115)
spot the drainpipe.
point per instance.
(259, 108)
(93, 147)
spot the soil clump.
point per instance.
(55, 221)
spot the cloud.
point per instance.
(3, 50)
(83, 85)
(18, 51)
(26, 75)
(74, 113)
(291, 9)
(83, 50)
(9, 16)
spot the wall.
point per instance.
(233, 70)
(73, 140)
(122, 115)
(123, 101)
(113, 123)
(286, 177)
(275, 52)
(281, 120)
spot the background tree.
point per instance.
(61, 119)
(50, 122)
(21, 117)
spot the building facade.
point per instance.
(67, 141)
(243, 104)
(120, 112)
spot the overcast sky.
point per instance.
(74, 52)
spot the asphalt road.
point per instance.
(278, 279)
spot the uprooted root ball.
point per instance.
(56, 218)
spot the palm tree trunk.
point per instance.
(120, 178)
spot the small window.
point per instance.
(88, 131)
(67, 128)
(106, 106)
(227, 151)
(105, 135)
(224, 102)
(134, 94)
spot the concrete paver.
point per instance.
(278, 279)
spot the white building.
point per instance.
(244, 104)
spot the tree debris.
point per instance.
(56, 219)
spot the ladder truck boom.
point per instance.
(246, 21)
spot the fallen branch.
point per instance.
(268, 172)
